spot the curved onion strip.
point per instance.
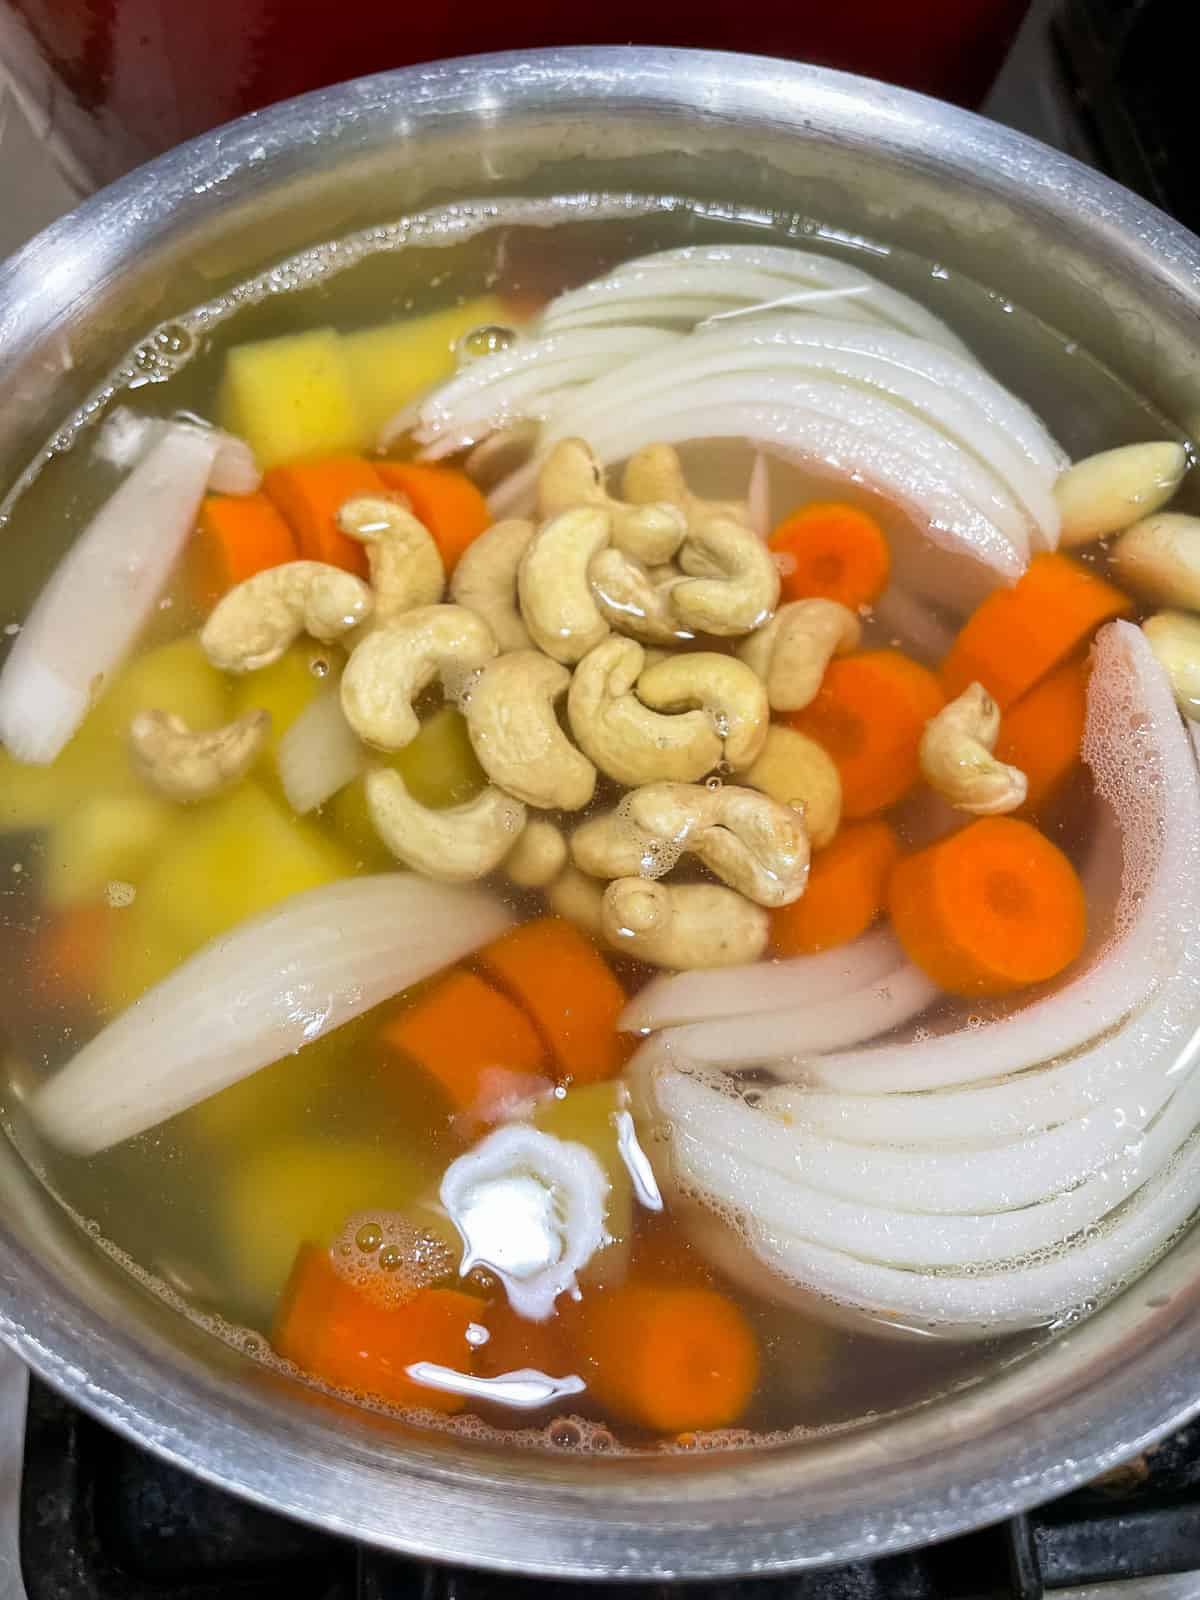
(319, 754)
(518, 382)
(761, 985)
(727, 274)
(770, 1037)
(100, 596)
(256, 995)
(125, 436)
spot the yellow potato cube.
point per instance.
(143, 952)
(285, 690)
(391, 364)
(109, 835)
(291, 398)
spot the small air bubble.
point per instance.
(369, 1237)
(566, 1435)
(485, 341)
(391, 1259)
(319, 666)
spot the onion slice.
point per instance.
(125, 436)
(258, 994)
(319, 754)
(101, 595)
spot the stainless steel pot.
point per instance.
(1106, 268)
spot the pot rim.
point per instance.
(742, 1514)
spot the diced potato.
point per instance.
(351, 822)
(107, 836)
(587, 1116)
(143, 951)
(285, 690)
(291, 398)
(32, 796)
(439, 767)
(232, 859)
(298, 1189)
(389, 365)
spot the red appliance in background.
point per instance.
(133, 77)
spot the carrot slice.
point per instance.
(834, 550)
(445, 500)
(846, 890)
(1042, 733)
(990, 909)
(471, 1039)
(71, 952)
(237, 536)
(666, 1358)
(869, 714)
(334, 1333)
(1017, 635)
(309, 495)
(568, 989)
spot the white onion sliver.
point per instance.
(319, 754)
(125, 435)
(762, 985)
(257, 994)
(101, 595)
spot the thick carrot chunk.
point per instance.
(846, 890)
(309, 495)
(1042, 733)
(237, 536)
(834, 551)
(445, 500)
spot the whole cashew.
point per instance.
(647, 833)
(1175, 640)
(727, 689)
(633, 601)
(757, 846)
(795, 771)
(957, 759)
(1105, 493)
(577, 898)
(252, 625)
(455, 845)
(485, 581)
(572, 476)
(406, 566)
(655, 473)
(515, 733)
(1159, 558)
(552, 581)
(186, 764)
(538, 857)
(389, 668)
(732, 583)
(791, 651)
(625, 739)
(684, 926)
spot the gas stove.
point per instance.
(85, 1515)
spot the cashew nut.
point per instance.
(684, 925)
(515, 732)
(655, 473)
(757, 846)
(1159, 558)
(186, 764)
(485, 580)
(1105, 493)
(577, 898)
(406, 566)
(727, 689)
(634, 601)
(538, 856)
(572, 476)
(1175, 640)
(552, 581)
(791, 651)
(957, 759)
(454, 845)
(797, 772)
(255, 622)
(389, 668)
(625, 739)
(647, 833)
(502, 452)
(732, 582)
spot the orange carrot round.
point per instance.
(834, 551)
(309, 495)
(236, 536)
(568, 989)
(666, 1358)
(470, 1039)
(846, 889)
(1042, 733)
(1017, 635)
(445, 500)
(335, 1333)
(988, 910)
(869, 715)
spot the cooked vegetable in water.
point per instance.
(623, 871)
